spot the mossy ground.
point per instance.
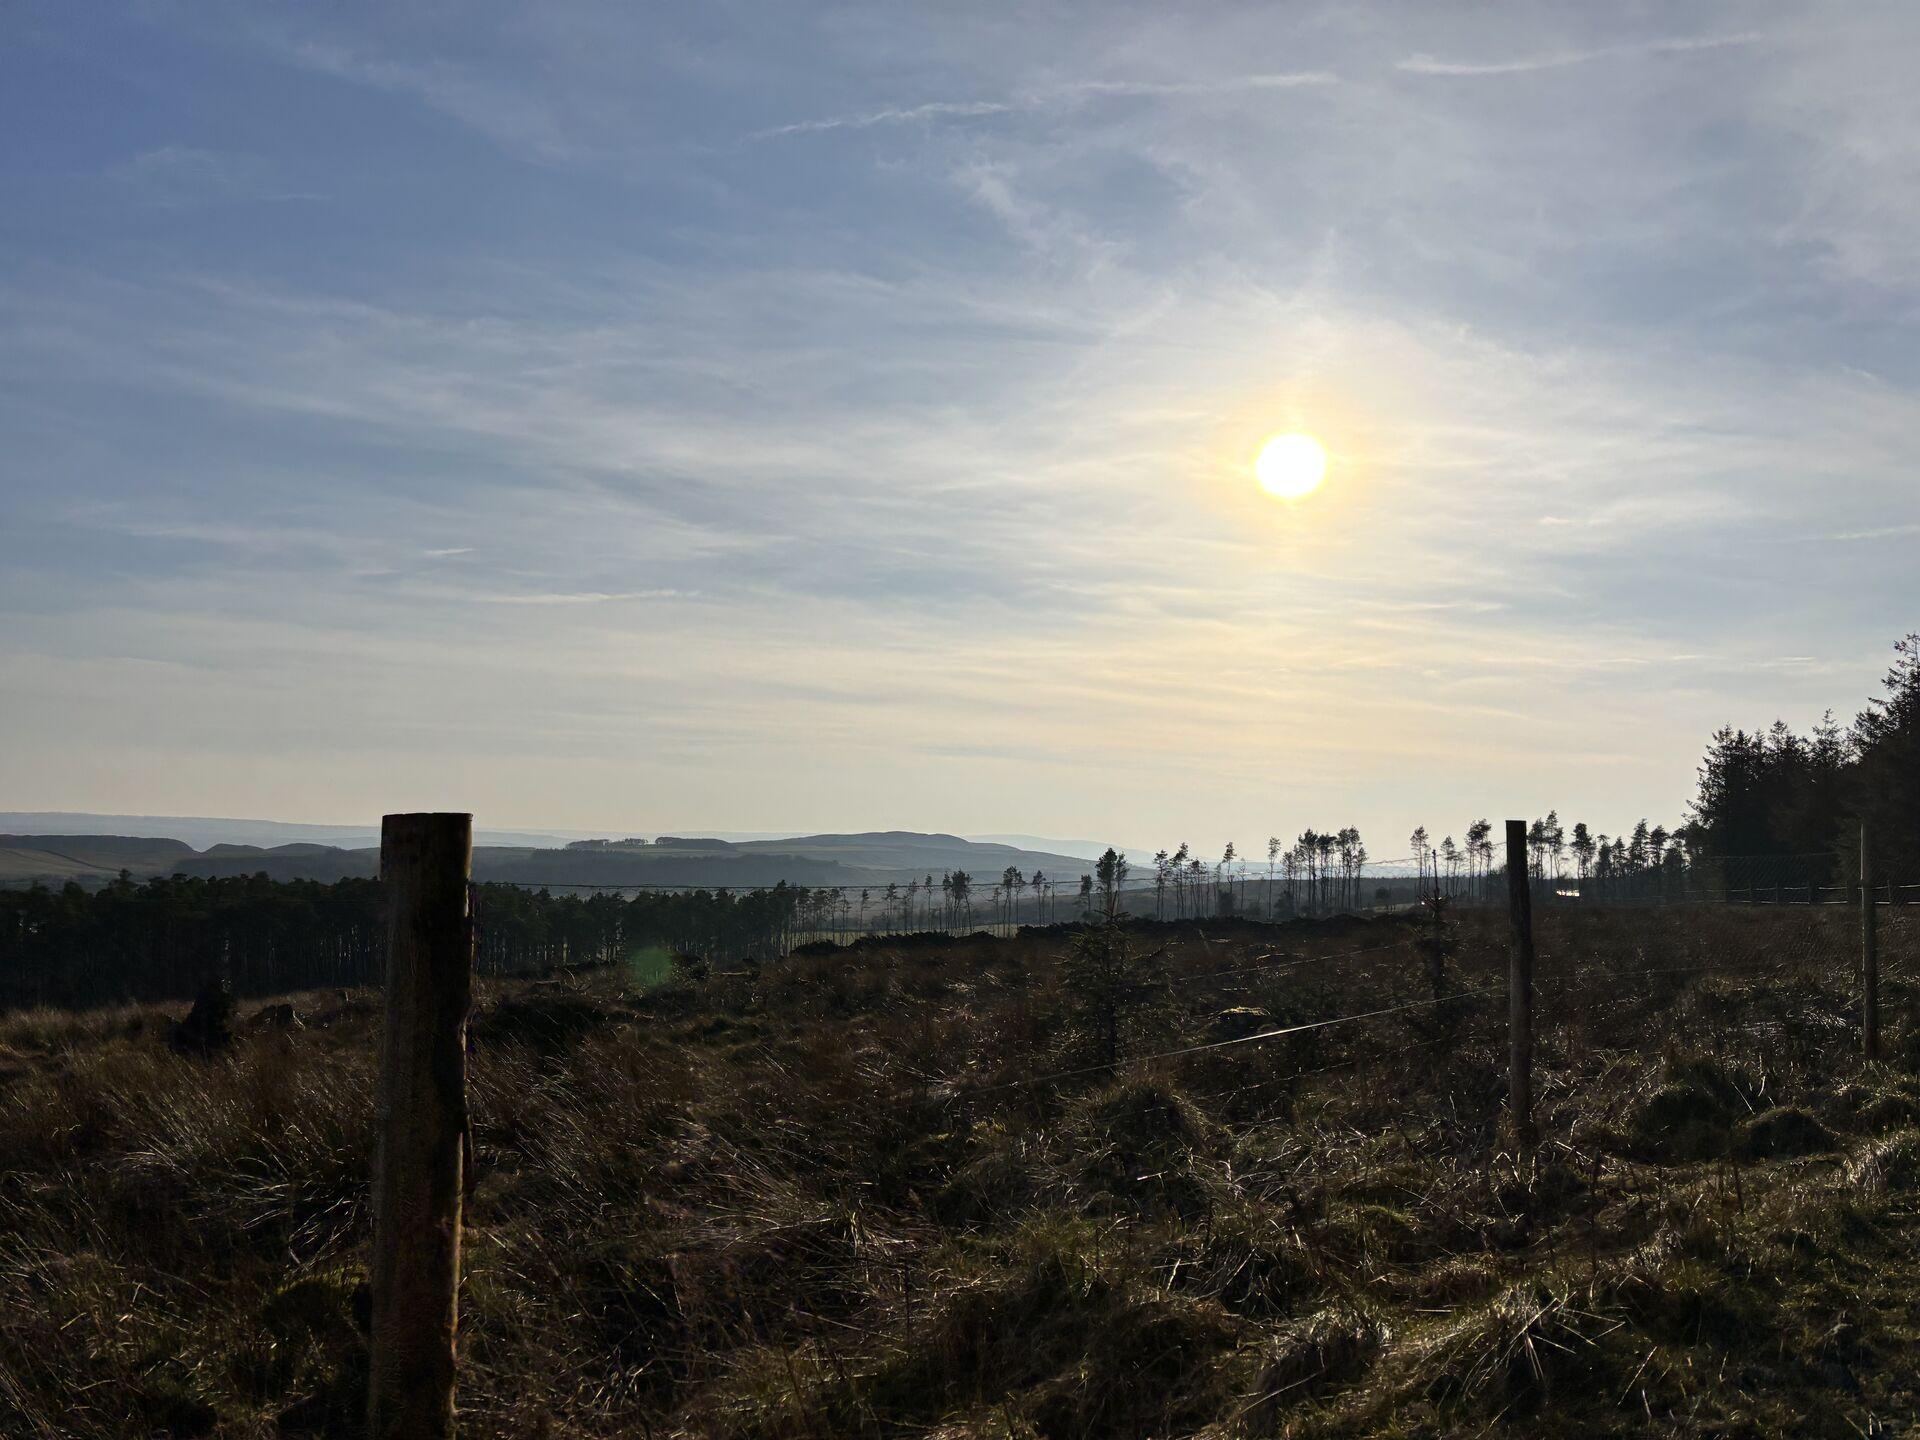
(833, 1197)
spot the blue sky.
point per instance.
(796, 416)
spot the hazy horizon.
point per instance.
(218, 829)
(825, 419)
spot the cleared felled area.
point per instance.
(1084, 1182)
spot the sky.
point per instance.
(784, 416)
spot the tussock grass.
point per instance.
(846, 1194)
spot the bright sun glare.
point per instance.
(1291, 466)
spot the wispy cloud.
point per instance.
(1559, 60)
(1065, 93)
(1217, 85)
(1883, 532)
(178, 175)
(898, 115)
(184, 163)
(520, 119)
(585, 597)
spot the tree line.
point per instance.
(165, 938)
(1799, 800)
(1325, 872)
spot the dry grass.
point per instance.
(825, 1199)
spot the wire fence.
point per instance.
(1613, 976)
(1623, 965)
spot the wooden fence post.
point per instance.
(1869, 956)
(425, 861)
(1520, 986)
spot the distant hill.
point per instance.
(283, 862)
(200, 831)
(56, 859)
(1085, 849)
(875, 858)
(908, 852)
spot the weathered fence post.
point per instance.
(425, 861)
(1869, 957)
(1520, 985)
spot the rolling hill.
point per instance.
(55, 859)
(874, 858)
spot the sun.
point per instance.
(1291, 466)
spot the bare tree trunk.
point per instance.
(1520, 985)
